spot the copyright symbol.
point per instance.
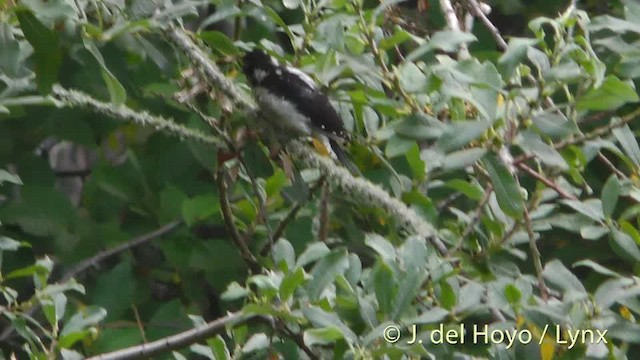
(391, 334)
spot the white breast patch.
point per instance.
(259, 75)
(281, 113)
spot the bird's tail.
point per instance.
(343, 157)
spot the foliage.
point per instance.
(499, 183)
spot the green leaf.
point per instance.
(220, 42)
(408, 289)
(397, 145)
(322, 336)
(461, 133)
(411, 78)
(8, 244)
(290, 283)
(628, 141)
(234, 291)
(325, 272)
(448, 41)
(384, 286)
(200, 208)
(46, 46)
(86, 317)
(447, 295)
(431, 316)
(554, 125)
(472, 191)
(559, 276)
(610, 194)
(382, 246)
(512, 294)
(505, 186)
(117, 92)
(612, 94)
(219, 347)
(462, 158)
(592, 208)
(312, 253)
(321, 318)
(418, 167)
(514, 55)
(624, 245)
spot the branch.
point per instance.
(176, 341)
(482, 15)
(95, 260)
(77, 99)
(207, 68)
(98, 258)
(367, 192)
(547, 182)
(454, 24)
(227, 214)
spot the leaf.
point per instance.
(612, 94)
(220, 42)
(624, 245)
(325, 272)
(592, 208)
(543, 151)
(322, 336)
(8, 244)
(200, 208)
(46, 46)
(505, 186)
(514, 55)
(558, 275)
(117, 92)
(553, 125)
(234, 291)
(447, 41)
(447, 295)
(610, 194)
(408, 289)
(460, 134)
(290, 283)
(418, 167)
(382, 246)
(411, 78)
(462, 158)
(397, 145)
(321, 318)
(431, 316)
(384, 286)
(628, 141)
(312, 253)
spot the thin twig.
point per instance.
(177, 341)
(454, 24)
(227, 214)
(547, 182)
(535, 254)
(610, 165)
(477, 12)
(474, 220)
(323, 216)
(136, 314)
(95, 260)
(282, 225)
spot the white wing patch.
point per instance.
(281, 113)
(302, 75)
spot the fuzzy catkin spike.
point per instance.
(368, 192)
(74, 98)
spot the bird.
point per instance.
(293, 104)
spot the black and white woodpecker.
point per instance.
(293, 104)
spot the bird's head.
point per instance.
(257, 65)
